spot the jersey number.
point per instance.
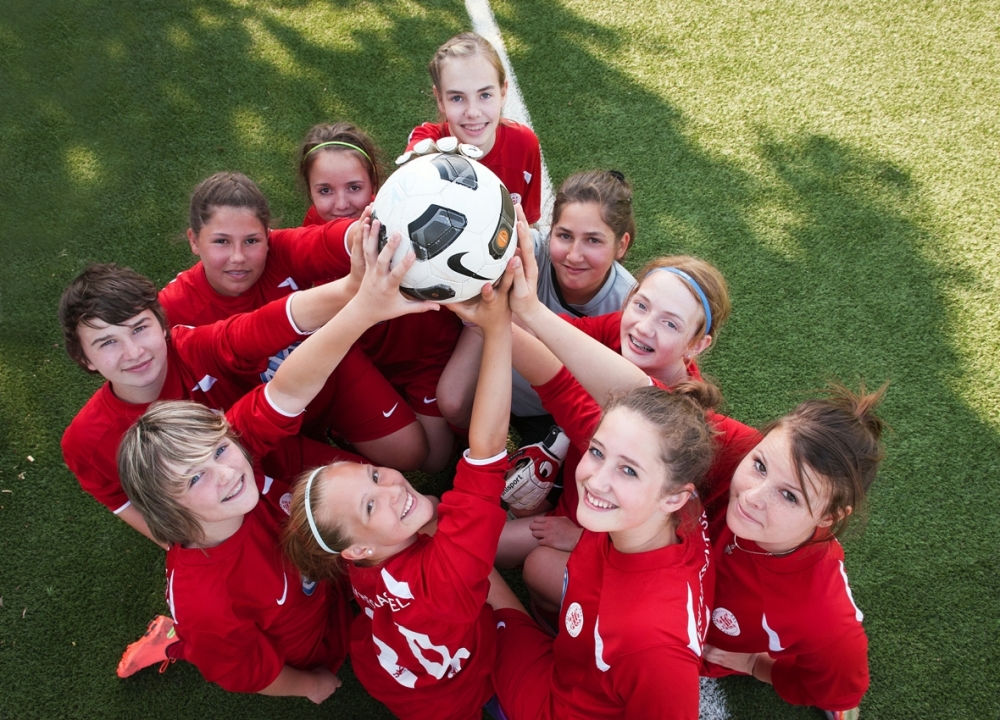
(419, 642)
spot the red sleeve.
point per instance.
(532, 202)
(227, 649)
(424, 130)
(574, 410)
(832, 678)
(258, 425)
(464, 547)
(241, 343)
(87, 456)
(313, 253)
(606, 329)
(665, 678)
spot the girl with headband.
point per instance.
(243, 265)
(242, 614)
(424, 641)
(339, 165)
(668, 317)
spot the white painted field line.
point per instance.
(713, 702)
(485, 24)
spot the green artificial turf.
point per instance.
(837, 161)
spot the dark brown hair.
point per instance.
(707, 276)
(837, 439)
(343, 132)
(108, 293)
(226, 189)
(609, 190)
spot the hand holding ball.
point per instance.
(456, 216)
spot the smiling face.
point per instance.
(376, 507)
(232, 246)
(339, 184)
(659, 325)
(621, 481)
(132, 356)
(766, 502)
(583, 248)
(219, 491)
(471, 99)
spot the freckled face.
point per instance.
(232, 246)
(659, 325)
(471, 100)
(767, 505)
(377, 507)
(339, 184)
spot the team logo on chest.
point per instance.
(574, 619)
(725, 621)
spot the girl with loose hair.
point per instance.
(424, 641)
(244, 264)
(784, 612)
(241, 613)
(470, 87)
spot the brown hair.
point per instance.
(342, 132)
(226, 189)
(609, 190)
(465, 45)
(837, 439)
(707, 276)
(297, 539)
(168, 437)
(108, 293)
(686, 441)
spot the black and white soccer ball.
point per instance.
(458, 218)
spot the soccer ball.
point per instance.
(457, 217)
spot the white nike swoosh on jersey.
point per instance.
(387, 414)
(428, 401)
(284, 595)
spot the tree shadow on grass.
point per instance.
(845, 285)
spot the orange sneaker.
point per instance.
(150, 649)
(851, 714)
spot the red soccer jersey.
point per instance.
(296, 259)
(424, 642)
(203, 364)
(516, 158)
(630, 640)
(241, 610)
(578, 414)
(799, 609)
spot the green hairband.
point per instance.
(342, 144)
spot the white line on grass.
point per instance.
(485, 24)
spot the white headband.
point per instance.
(309, 514)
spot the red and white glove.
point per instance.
(532, 470)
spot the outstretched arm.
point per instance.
(305, 371)
(491, 407)
(600, 370)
